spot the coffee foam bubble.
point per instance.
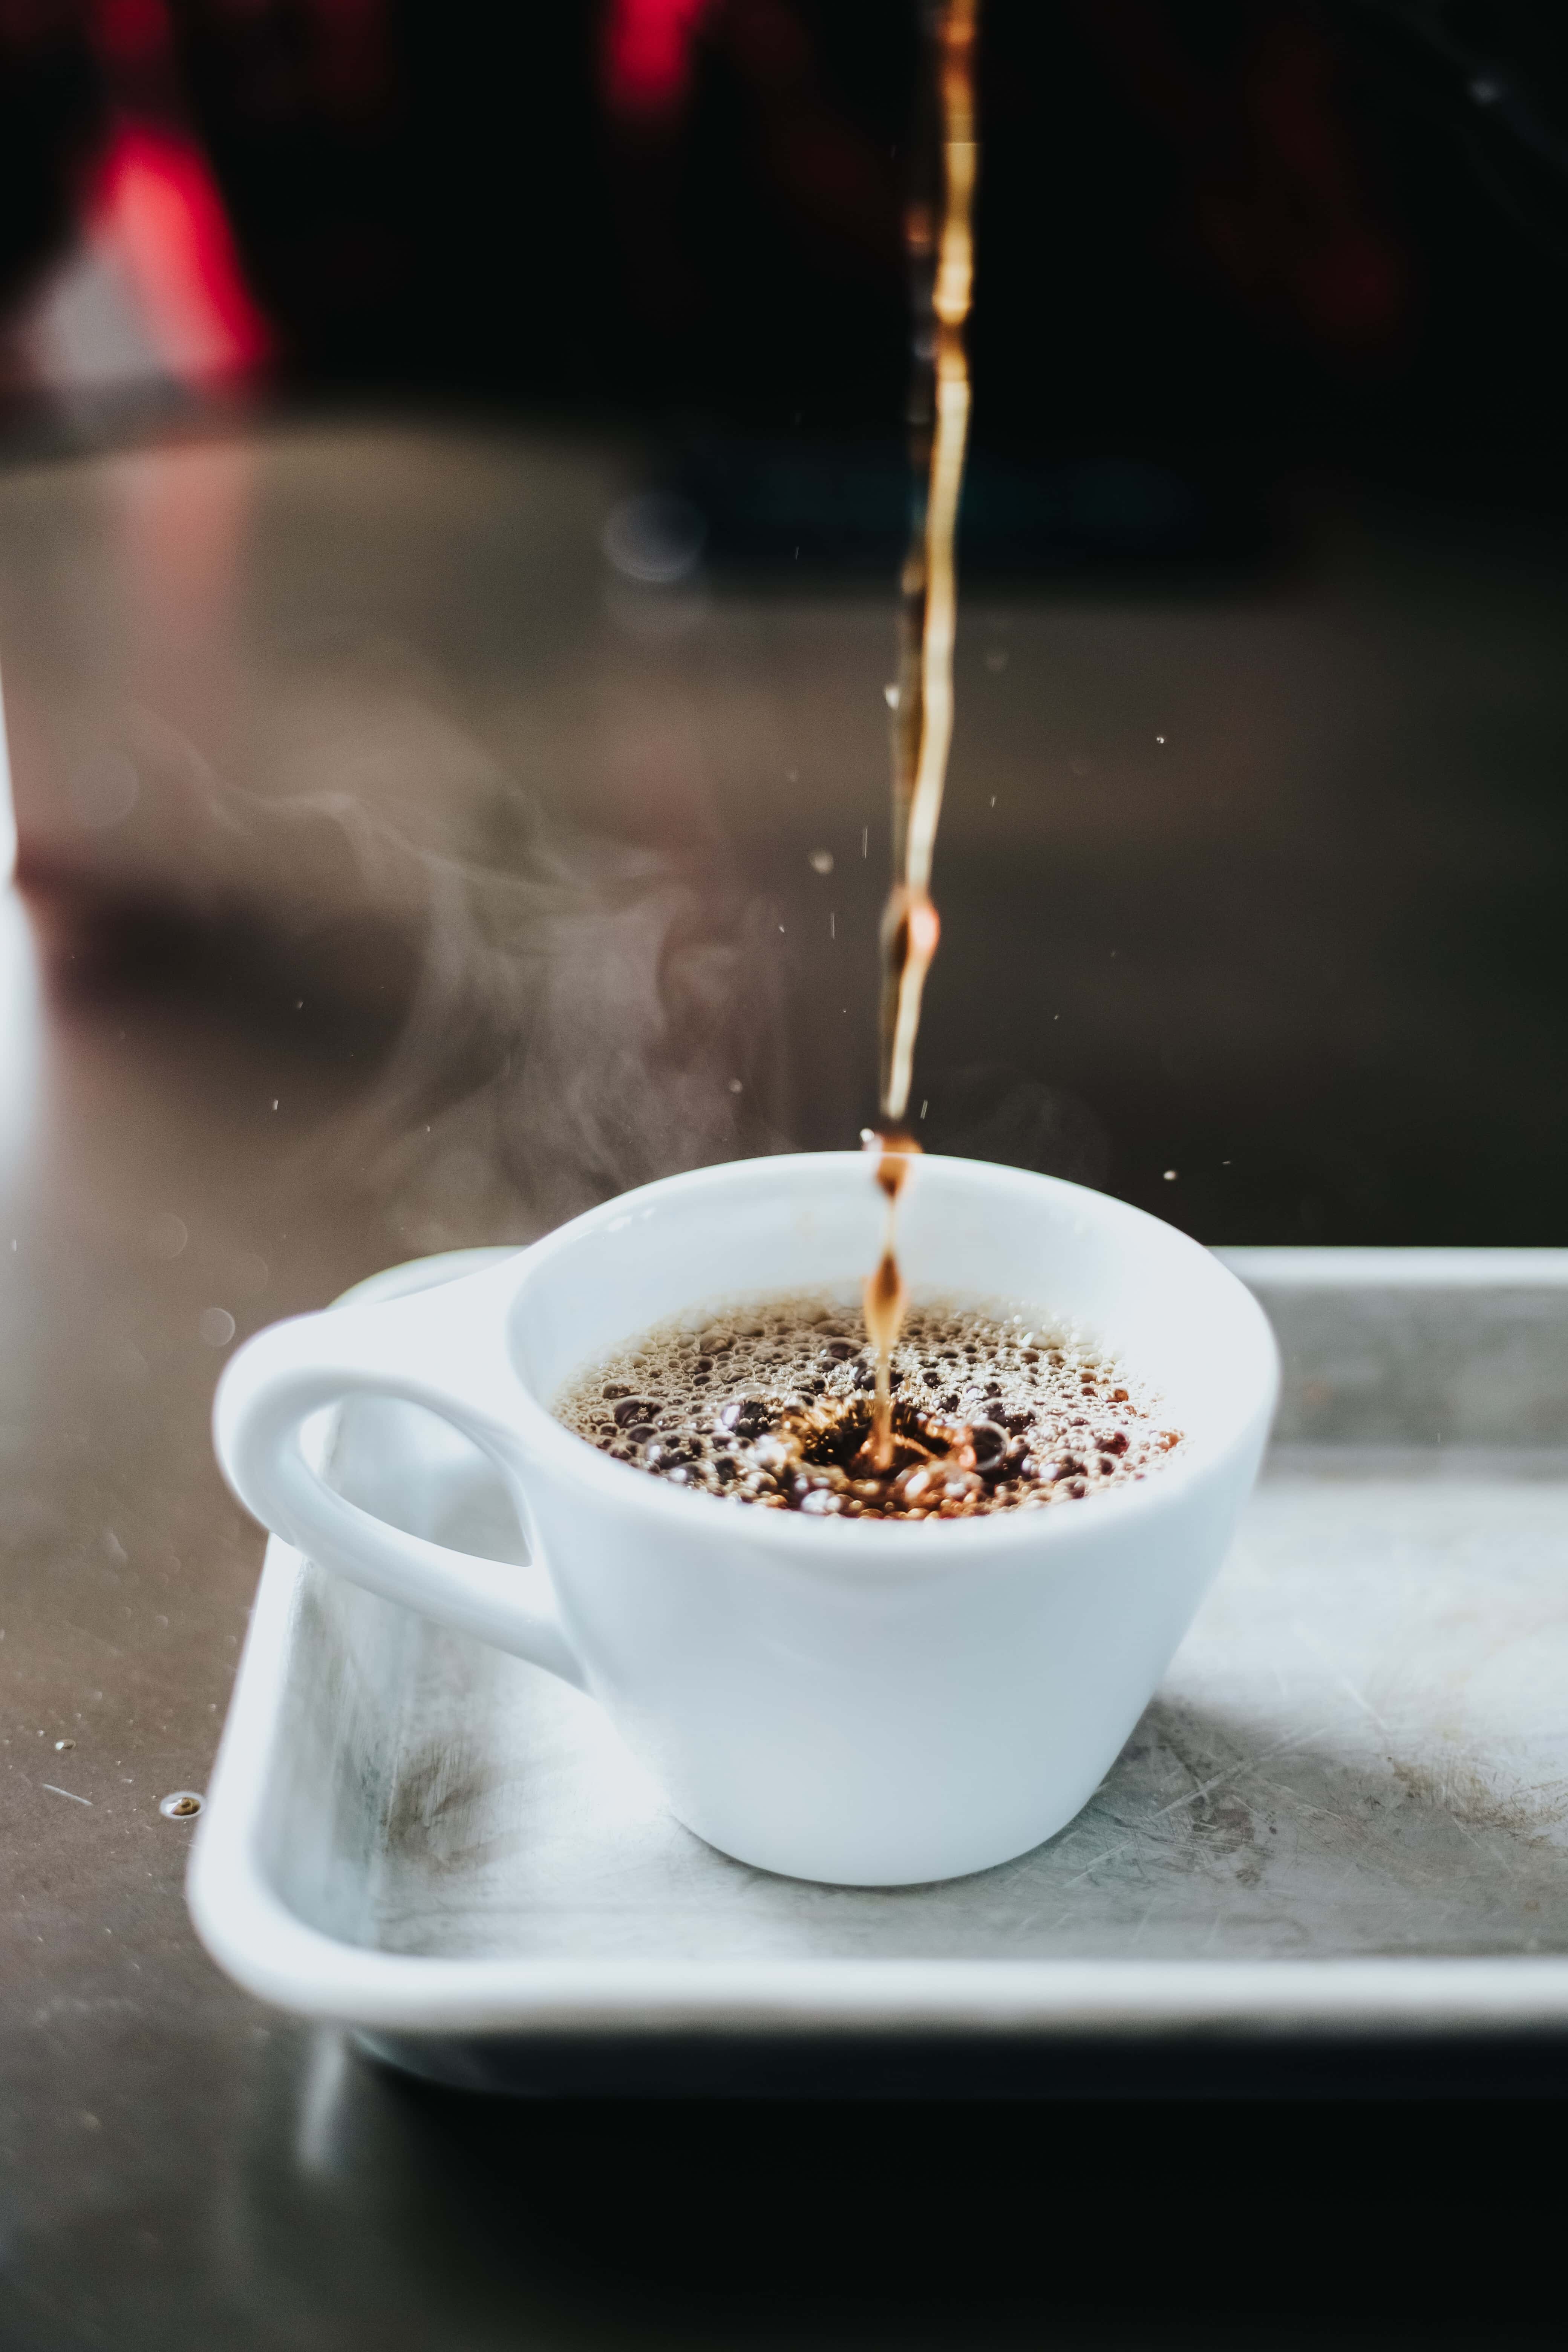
(768, 1401)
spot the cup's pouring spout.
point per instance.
(444, 1349)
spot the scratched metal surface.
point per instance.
(1359, 1749)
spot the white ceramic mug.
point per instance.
(868, 1704)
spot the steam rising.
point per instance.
(579, 1027)
(586, 1013)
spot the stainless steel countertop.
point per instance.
(268, 630)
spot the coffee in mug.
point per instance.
(771, 1402)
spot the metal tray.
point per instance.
(1335, 1847)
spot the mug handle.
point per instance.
(416, 1350)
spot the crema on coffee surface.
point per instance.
(771, 1404)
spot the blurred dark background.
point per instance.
(1222, 239)
(314, 310)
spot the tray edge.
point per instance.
(253, 1936)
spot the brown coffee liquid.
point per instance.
(939, 238)
(772, 1402)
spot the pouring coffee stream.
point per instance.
(940, 243)
(908, 1455)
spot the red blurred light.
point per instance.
(129, 31)
(157, 208)
(648, 55)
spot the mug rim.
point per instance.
(599, 1478)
